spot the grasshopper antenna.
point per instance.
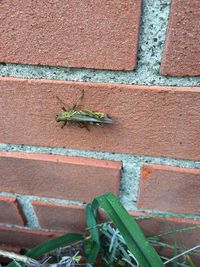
(62, 103)
(79, 99)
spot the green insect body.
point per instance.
(81, 116)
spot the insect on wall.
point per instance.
(47, 126)
(81, 117)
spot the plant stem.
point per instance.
(19, 258)
(181, 254)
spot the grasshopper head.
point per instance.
(64, 116)
(60, 117)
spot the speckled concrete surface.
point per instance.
(129, 180)
(151, 43)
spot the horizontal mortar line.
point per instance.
(125, 158)
(28, 71)
(31, 198)
(160, 213)
(153, 213)
(33, 228)
(145, 72)
(115, 77)
(129, 161)
(27, 227)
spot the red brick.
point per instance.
(10, 249)
(152, 226)
(58, 176)
(92, 34)
(160, 225)
(62, 217)
(11, 212)
(24, 238)
(147, 120)
(67, 218)
(71, 218)
(182, 49)
(169, 189)
(157, 226)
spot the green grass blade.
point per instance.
(91, 219)
(50, 245)
(175, 262)
(93, 254)
(131, 232)
(190, 261)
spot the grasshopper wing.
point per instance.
(84, 118)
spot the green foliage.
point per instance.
(51, 245)
(117, 243)
(136, 242)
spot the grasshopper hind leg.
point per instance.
(83, 125)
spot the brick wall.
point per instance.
(139, 63)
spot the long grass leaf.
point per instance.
(131, 232)
(50, 245)
(189, 260)
(91, 219)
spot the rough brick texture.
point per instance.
(24, 238)
(158, 121)
(68, 218)
(58, 176)
(158, 226)
(182, 49)
(169, 189)
(184, 239)
(71, 218)
(93, 34)
(10, 211)
(10, 249)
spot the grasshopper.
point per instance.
(82, 117)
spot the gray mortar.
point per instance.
(129, 180)
(151, 44)
(28, 210)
